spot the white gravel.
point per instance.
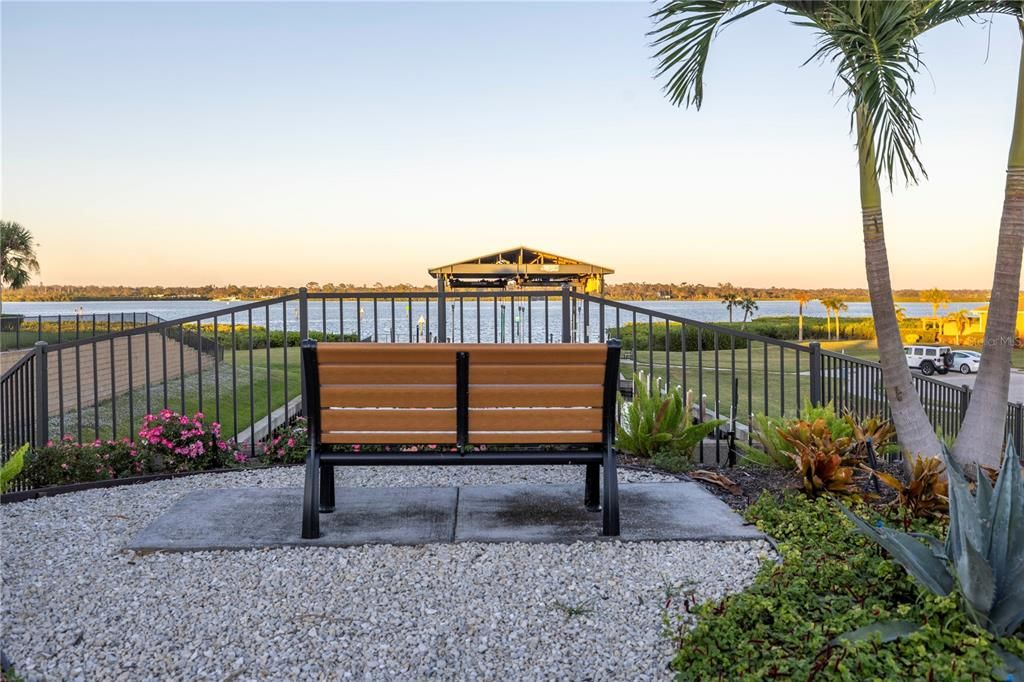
(78, 606)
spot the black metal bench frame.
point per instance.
(319, 497)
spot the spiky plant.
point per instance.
(658, 422)
(925, 494)
(981, 560)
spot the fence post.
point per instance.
(965, 401)
(1019, 427)
(42, 430)
(815, 373)
(303, 314)
(442, 315)
(303, 334)
(566, 324)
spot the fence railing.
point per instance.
(23, 331)
(240, 365)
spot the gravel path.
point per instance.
(76, 605)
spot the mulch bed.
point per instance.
(755, 480)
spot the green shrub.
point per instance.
(658, 424)
(65, 461)
(831, 581)
(12, 467)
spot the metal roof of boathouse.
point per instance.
(520, 266)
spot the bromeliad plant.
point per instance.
(926, 492)
(821, 459)
(879, 432)
(658, 424)
(981, 560)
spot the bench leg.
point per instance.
(610, 507)
(592, 491)
(311, 498)
(326, 488)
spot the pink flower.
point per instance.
(356, 447)
(240, 457)
(291, 442)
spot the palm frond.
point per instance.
(682, 38)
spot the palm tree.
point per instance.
(960, 318)
(981, 434)
(730, 300)
(828, 304)
(748, 305)
(873, 47)
(937, 297)
(17, 256)
(803, 298)
(838, 305)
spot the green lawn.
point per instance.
(234, 410)
(771, 385)
(868, 350)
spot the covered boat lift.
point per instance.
(518, 268)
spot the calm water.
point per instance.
(492, 320)
(705, 311)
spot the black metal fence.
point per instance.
(96, 377)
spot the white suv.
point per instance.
(929, 359)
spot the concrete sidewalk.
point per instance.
(250, 518)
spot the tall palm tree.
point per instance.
(730, 300)
(803, 298)
(960, 318)
(838, 305)
(828, 304)
(937, 297)
(981, 434)
(17, 255)
(873, 48)
(748, 306)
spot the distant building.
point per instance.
(521, 267)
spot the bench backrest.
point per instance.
(460, 394)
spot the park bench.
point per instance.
(542, 404)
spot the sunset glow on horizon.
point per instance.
(193, 143)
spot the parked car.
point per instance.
(966, 361)
(929, 359)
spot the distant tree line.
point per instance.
(683, 291)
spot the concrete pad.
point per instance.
(677, 510)
(247, 518)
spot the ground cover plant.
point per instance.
(831, 581)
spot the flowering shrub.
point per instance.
(178, 442)
(65, 461)
(286, 445)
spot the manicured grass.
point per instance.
(868, 350)
(235, 410)
(770, 385)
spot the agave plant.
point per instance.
(982, 558)
(659, 421)
(926, 492)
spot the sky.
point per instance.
(150, 143)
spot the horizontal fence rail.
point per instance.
(92, 377)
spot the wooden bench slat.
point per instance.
(445, 374)
(480, 395)
(391, 438)
(527, 438)
(394, 395)
(387, 420)
(536, 395)
(542, 419)
(481, 354)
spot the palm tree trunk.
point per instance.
(981, 435)
(828, 324)
(800, 324)
(915, 432)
